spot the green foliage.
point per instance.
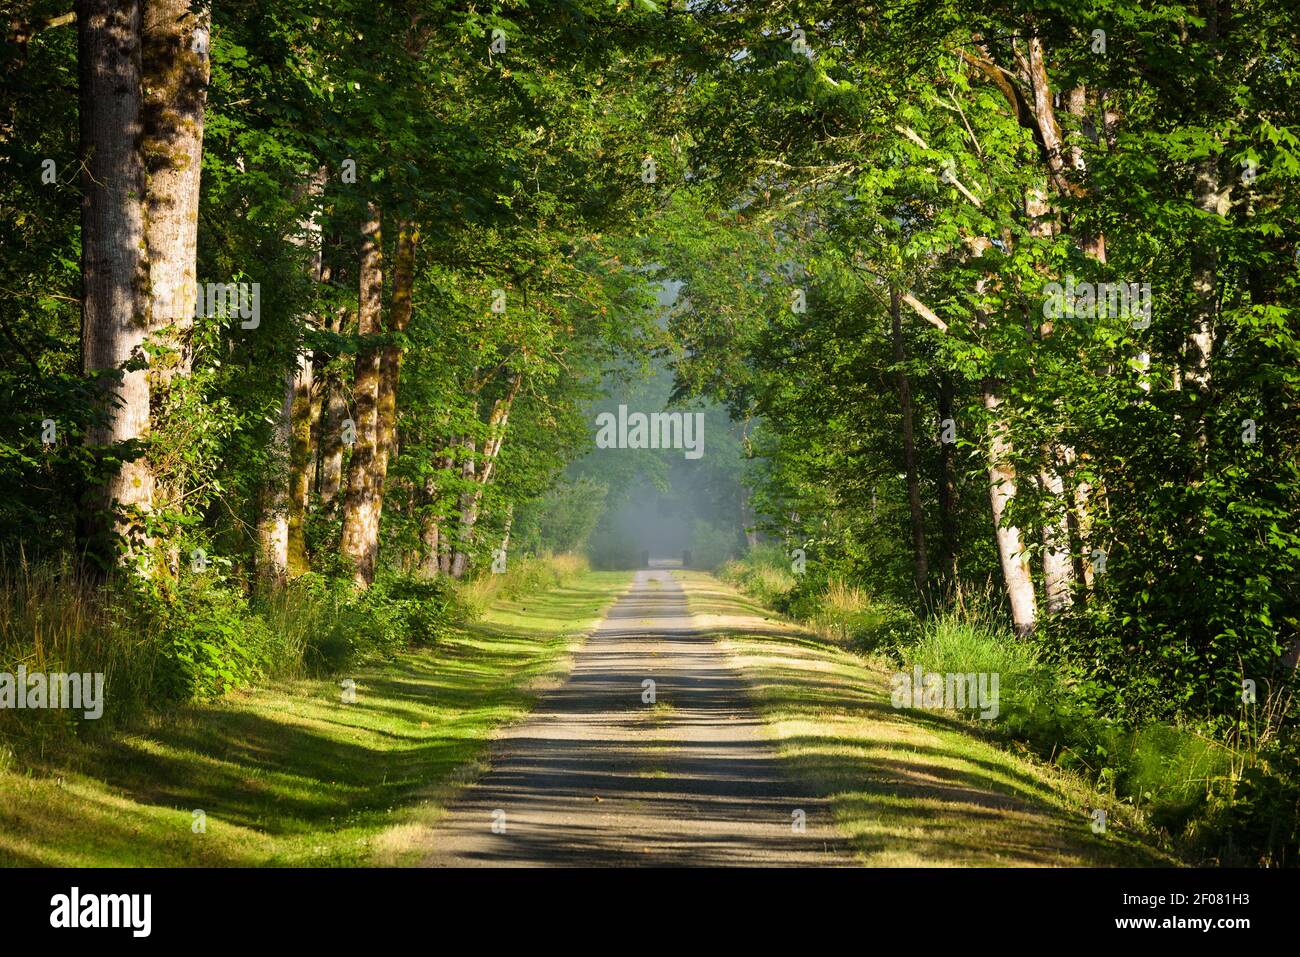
(711, 545)
(562, 519)
(527, 575)
(208, 640)
(764, 573)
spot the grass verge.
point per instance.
(288, 775)
(909, 788)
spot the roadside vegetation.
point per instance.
(288, 772)
(1216, 800)
(909, 787)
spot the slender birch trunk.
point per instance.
(948, 496)
(471, 502)
(1002, 491)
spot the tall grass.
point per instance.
(54, 618)
(765, 573)
(157, 642)
(524, 575)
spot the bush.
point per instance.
(524, 575)
(1254, 818)
(711, 545)
(163, 640)
(208, 640)
(827, 603)
(332, 626)
(764, 573)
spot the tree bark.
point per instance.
(408, 235)
(364, 498)
(331, 442)
(114, 268)
(472, 500)
(429, 533)
(1058, 565)
(1002, 491)
(303, 407)
(273, 513)
(300, 384)
(175, 86)
(283, 518)
(459, 559)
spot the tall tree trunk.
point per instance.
(175, 84)
(459, 560)
(331, 442)
(429, 532)
(364, 498)
(299, 459)
(273, 512)
(114, 268)
(920, 563)
(408, 234)
(1058, 565)
(472, 501)
(505, 535)
(283, 518)
(303, 408)
(1080, 540)
(1002, 491)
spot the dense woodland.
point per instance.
(308, 308)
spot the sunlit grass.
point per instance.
(291, 775)
(909, 788)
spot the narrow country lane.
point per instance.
(597, 775)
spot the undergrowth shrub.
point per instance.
(823, 600)
(524, 575)
(164, 640)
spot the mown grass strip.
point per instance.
(291, 775)
(910, 788)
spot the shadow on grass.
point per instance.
(909, 787)
(290, 773)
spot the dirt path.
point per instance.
(599, 776)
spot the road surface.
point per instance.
(600, 775)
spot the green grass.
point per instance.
(908, 787)
(290, 775)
